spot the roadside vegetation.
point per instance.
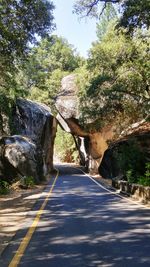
(131, 162)
(4, 187)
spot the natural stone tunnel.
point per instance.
(91, 146)
(30, 152)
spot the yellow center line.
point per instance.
(24, 243)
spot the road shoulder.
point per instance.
(13, 211)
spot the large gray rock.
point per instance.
(18, 157)
(35, 121)
(67, 101)
(66, 104)
(30, 117)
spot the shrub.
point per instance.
(4, 187)
(145, 180)
(131, 161)
(29, 181)
(130, 177)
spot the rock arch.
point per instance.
(91, 146)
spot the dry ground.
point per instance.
(13, 210)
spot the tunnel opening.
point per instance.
(65, 149)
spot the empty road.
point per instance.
(83, 225)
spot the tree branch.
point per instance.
(96, 2)
(104, 6)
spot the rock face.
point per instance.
(141, 135)
(91, 146)
(4, 125)
(37, 126)
(66, 101)
(18, 156)
(35, 121)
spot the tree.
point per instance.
(109, 15)
(134, 13)
(21, 21)
(117, 80)
(48, 63)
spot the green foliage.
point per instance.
(52, 86)
(109, 15)
(65, 149)
(134, 13)
(133, 177)
(130, 155)
(117, 78)
(131, 161)
(48, 63)
(145, 180)
(130, 176)
(52, 53)
(20, 23)
(29, 181)
(4, 187)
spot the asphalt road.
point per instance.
(83, 225)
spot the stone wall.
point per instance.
(137, 191)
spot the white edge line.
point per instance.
(116, 194)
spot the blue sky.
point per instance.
(79, 32)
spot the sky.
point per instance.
(79, 32)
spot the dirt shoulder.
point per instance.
(14, 208)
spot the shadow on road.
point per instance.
(85, 226)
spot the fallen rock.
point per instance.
(18, 157)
